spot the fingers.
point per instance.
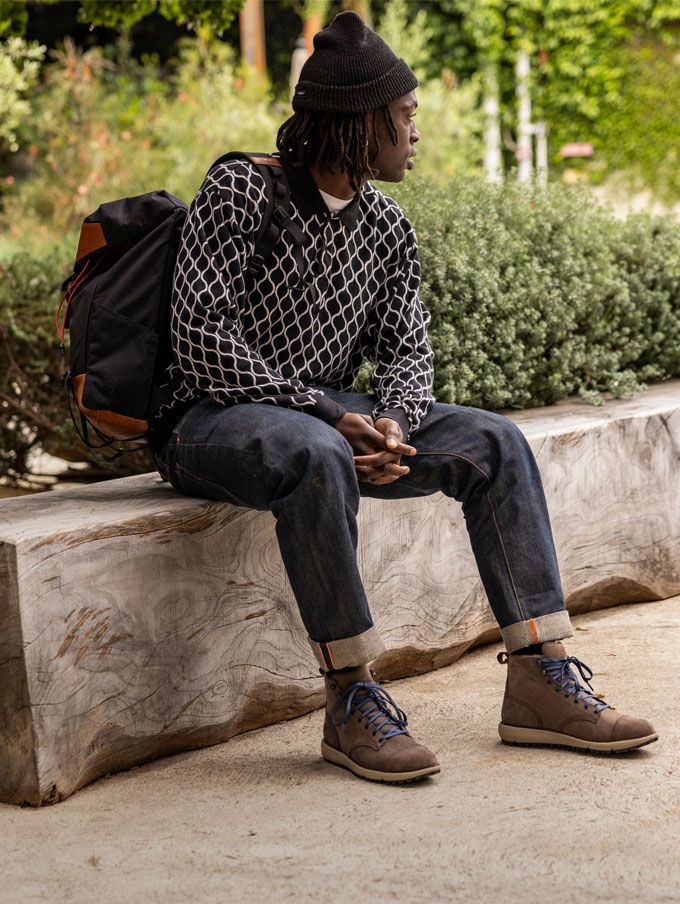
(376, 459)
(379, 438)
(401, 448)
(374, 437)
(386, 474)
(393, 436)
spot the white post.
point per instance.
(493, 166)
(298, 59)
(541, 132)
(523, 151)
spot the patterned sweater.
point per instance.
(277, 337)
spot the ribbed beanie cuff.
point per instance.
(352, 70)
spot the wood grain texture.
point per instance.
(137, 622)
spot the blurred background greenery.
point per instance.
(537, 290)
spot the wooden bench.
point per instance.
(137, 622)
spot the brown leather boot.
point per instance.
(545, 704)
(365, 731)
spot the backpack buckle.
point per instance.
(256, 264)
(280, 215)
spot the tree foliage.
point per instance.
(14, 16)
(195, 14)
(582, 53)
(212, 16)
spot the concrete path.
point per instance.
(262, 818)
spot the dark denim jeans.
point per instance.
(301, 469)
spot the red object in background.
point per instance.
(543, 56)
(576, 149)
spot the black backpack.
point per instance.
(118, 304)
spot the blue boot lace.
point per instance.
(374, 705)
(559, 670)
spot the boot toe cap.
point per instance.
(412, 758)
(629, 728)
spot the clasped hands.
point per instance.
(378, 446)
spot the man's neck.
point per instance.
(333, 183)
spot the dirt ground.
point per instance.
(263, 818)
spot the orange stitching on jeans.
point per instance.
(532, 628)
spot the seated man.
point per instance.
(266, 418)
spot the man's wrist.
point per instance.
(328, 410)
(398, 415)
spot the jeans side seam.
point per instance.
(495, 520)
(505, 556)
(461, 457)
(210, 445)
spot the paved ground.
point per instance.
(263, 818)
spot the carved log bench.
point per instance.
(137, 622)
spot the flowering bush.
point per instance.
(19, 69)
(108, 127)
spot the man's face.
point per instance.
(393, 160)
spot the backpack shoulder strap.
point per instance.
(276, 217)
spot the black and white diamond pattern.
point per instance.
(272, 338)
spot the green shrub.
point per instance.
(31, 401)
(538, 295)
(534, 296)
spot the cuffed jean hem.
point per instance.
(544, 628)
(349, 651)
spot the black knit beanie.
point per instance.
(352, 70)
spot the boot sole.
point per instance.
(338, 758)
(536, 737)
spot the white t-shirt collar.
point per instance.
(334, 204)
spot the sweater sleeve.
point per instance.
(404, 370)
(216, 245)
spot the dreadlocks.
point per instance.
(336, 141)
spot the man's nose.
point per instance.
(415, 135)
